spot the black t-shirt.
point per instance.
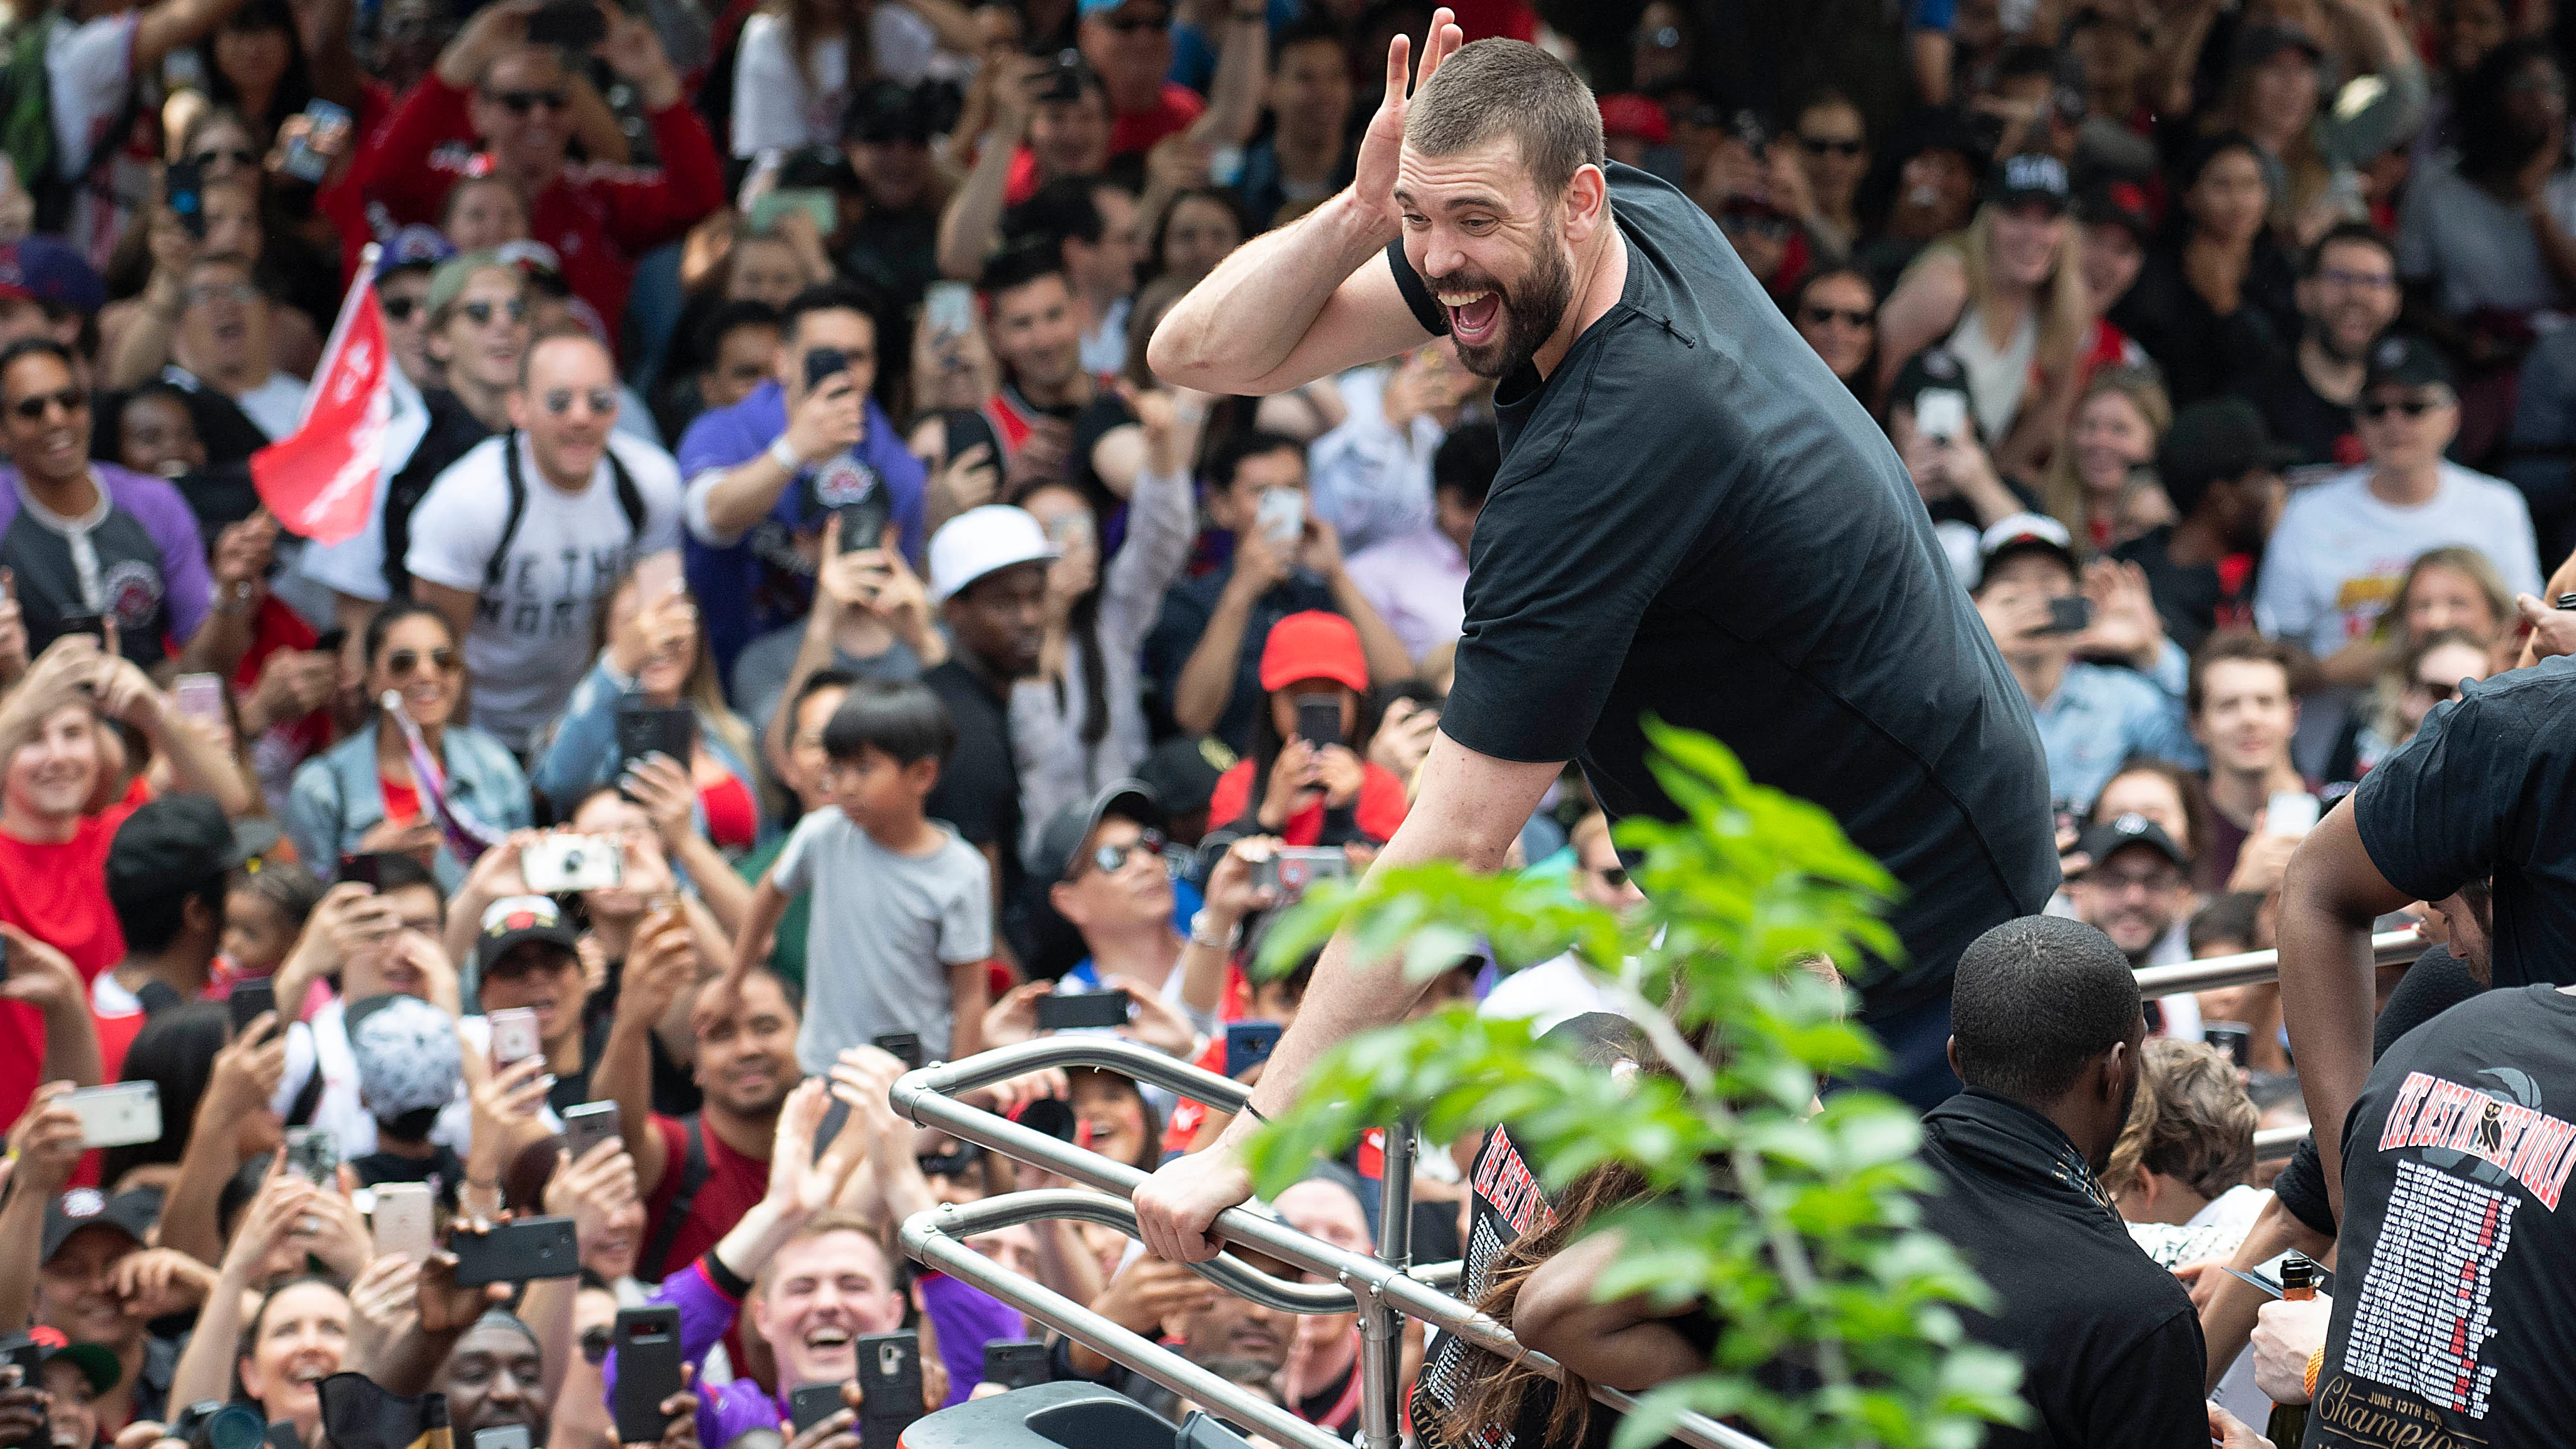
(2200, 352)
(442, 1169)
(2488, 785)
(979, 788)
(2110, 1347)
(2453, 1323)
(1695, 520)
(2321, 431)
(2194, 600)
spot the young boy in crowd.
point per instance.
(902, 917)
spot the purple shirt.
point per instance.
(748, 586)
(136, 557)
(726, 1412)
(966, 1318)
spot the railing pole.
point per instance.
(1381, 1325)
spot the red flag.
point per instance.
(321, 482)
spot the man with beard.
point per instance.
(1694, 520)
(988, 572)
(2348, 295)
(1034, 320)
(494, 1378)
(2138, 892)
(2047, 1024)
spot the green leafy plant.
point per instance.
(1795, 1225)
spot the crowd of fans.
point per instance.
(778, 506)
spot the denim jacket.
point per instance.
(583, 755)
(337, 797)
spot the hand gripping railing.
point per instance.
(1381, 1290)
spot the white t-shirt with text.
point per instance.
(2340, 552)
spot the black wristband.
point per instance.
(726, 1281)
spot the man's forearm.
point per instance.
(189, 1217)
(22, 1231)
(2227, 1321)
(624, 1075)
(745, 494)
(975, 216)
(199, 765)
(1207, 679)
(71, 1049)
(142, 345)
(220, 644)
(813, 653)
(1243, 320)
(2326, 1000)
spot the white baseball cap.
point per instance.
(981, 541)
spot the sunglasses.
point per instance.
(71, 400)
(402, 662)
(1769, 228)
(398, 309)
(600, 400)
(2437, 691)
(1108, 858)
(1848, 316)
(948, 1164)
(1830, 146)
(480, 313)
(208, 160)
(2413, 407)
(519, 103)
(596, 1341)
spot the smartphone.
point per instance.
(514, 1035)
(312, 1152)
(1016, 1363)
(505, 1436)
(863, 524)
(949, 307)
(572, 24)
(2232, 1037)
(647, 1342)
(248, 1000)
(814, 201)
(1941, 413)
(903, 1046)
(812, 1404)
(555, 864)
(184, 188)
(644, 729)
(20, 1350)
(94, 625)
(1248, 1044)
(200, 697)
(890, 1376)
(518, 1249)
(587, 1126)
(306, 163)
(403, 1220)
(2290, 812)
(2069, 614)
(1282, 517)
(1058, 1011)
(1319, 719)
(1296, 867)
(120, 1114)
(822, 363)
(331, 641)
(359, 868)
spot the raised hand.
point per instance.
(1373, 179)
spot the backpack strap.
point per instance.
(630, 501)
(308, 1098)
(693, 1177)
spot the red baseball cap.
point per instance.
(1313, 645)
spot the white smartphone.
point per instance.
(514, 1035)
(200, 697)
(403, 1220)
(121, 1114)
(1941, 413)
(1282, 516)
(554, 864)
(2290, 812)
(949, 307)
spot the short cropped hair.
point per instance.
(2237, 646)
(2035, 999)
(1509, 87)
(2231, 917)
(1065, 209)
(1230, 455)
(827, 297)
(1027, 260)
(825, 1223)
(901, 718)
(2347, 233)
(1467, 461)
(2192, 1121)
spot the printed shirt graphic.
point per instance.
(136, 556)
(2451, 1324)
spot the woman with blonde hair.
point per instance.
(2007, 298)
(2452, 587)
(2094, 485)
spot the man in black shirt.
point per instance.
(2047, 1028)
(2220, 468)
(2487, 788)
(988, 569)
(1695, 520)
(2347, 296)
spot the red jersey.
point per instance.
(57, 894)
(1381, 805)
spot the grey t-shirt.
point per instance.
(884, 931)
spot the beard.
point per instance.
(1530, 313)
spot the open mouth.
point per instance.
(827, 1340)
(1473, 316)
(231, 332)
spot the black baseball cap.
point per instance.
(886, 111)
(1944, 128)
(2030, 176)
(2113, 836)
(1185, 770)
(2223, 437)
(1061, 842)
(130, 1213)
(2408, 361)
(2117, 203)
(515, 920)
(1933, 369)
(172, 845)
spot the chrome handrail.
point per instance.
(2253, 968)
(2272, 1144)
(1375, 1285)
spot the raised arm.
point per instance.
(973, 220)
(1310, 299)
(173, 24)
(659, 969)
(2331, 894)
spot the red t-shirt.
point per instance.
(57, 894)
(1171, 114)
(735, 1185)
(1381, 805)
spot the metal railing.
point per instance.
(2253, 968)
(1382, 1290)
